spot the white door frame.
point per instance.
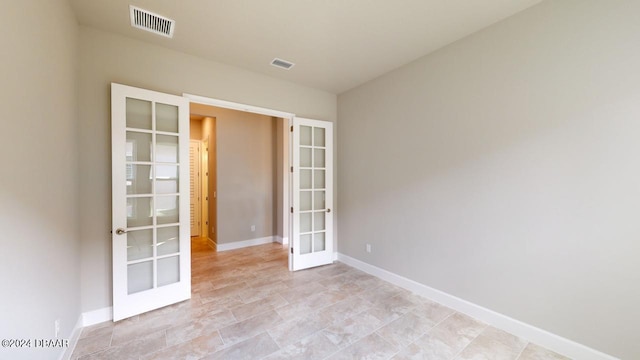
(286, 198)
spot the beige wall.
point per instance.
(245, 148)
(106, 58)
(195, 129)
(40, 258)
(504, 170)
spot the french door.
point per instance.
(312, 186)
(150, 200)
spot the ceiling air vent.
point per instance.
(283, 64)
(146, 20)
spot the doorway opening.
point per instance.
(240, 177)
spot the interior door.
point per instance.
(150, 200)
(312, 186)
(194, 186)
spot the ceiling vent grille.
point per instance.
(146, 20)
(283, 64)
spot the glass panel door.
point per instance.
(151, 248)
(313, 193)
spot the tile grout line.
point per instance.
(522, 350)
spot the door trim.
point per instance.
(237, 106)
(288, 117)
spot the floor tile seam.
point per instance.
(257, 314)
(420, 336)
(505, 343)
(387, 341)
(319, 331)
(93, 352)
(208, 332)
(353, 343)
(99, 350)
(361, 337)
(470, 342)
(231, 344)
(275, 342)
(522, 350)
(416, 338)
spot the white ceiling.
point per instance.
(335, 44)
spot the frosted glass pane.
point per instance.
(318, 200)
(305, 200)
(167, 209)
(318, 179)
(305, 179)
(138, 179)
(166, 179)
(318, 160)
(168, 240)
(139, 277)
(139, 211)
(138, 114)
(305, 244)
(168, 270)
(166, 148)
(305, 135)
(318, 242)
(305, 157)
(305, 222)
(318, 137)
(318, 220)
(166, 118)
(139, 244)
(138, 146)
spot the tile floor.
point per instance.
(247, 305)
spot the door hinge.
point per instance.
(292, 169)
(207, 198)
(291, 128)
(292, 209)
(292, 250)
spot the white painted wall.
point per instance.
(106, 58)
(504, 169)
(39, 256)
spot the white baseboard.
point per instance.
(73, 340)
(536, 335)
(97, 316)
(245, 243)
(281, 240)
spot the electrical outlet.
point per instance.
(56, 324)
(368, 248)
(253, 228)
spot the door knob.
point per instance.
(328, 210)
(121, 231)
